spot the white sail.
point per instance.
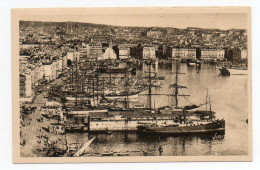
(83, 148)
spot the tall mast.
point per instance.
(93, 89)
(76, 85)
(209, 104)
(210, 109)
(176, 86)
(103, 88)
(150, 87)
(126, 88)
(98, 82)
(207, 100)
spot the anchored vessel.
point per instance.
(214, 126)
(186, 119)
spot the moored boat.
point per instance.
(191, 62)
(224, 71)
(198, 127)
(187, 119)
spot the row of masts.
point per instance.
(95, 83)
(87, 80)
(175, 95)
(175, 86)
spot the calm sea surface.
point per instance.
(229, 97)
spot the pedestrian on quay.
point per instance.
(160, 150)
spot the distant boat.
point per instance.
(191, 62)
(224, 71)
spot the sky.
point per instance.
(149, 19)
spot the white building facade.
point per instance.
(124, 52)
(244, 54)
(149, 53)
(212, 54)
(183, 53)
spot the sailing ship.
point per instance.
(187, 120)
(95, 86)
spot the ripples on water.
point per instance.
(229, 97)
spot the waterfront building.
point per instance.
(94, 50)
(163, 52)
(38, 73)
(184, 53)
(238, 55)
(136, 51)
(212, 54)
(244, 54)
(25, 84)
(124, 52)
(149, 52)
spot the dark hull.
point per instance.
(224, 72)
(114, 70)
(123, 95)
(218, 126)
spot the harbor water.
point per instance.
(229, 98)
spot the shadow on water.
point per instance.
(163, 137)
(132, 137)
(171, 144)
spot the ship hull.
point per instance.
(191, 64)
(114, 70)
(218, 126)
(74, 98)
(111, 97)
(224, 71)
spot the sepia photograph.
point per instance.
(146, 84)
